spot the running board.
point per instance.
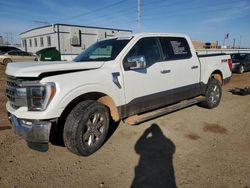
(137, 119)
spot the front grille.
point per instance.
(16, 99)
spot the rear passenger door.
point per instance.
(20, 56)
(26, 56)
(184, 67)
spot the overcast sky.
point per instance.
(201, 19)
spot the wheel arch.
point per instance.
(96, 96)
(217, 74)
(7, 58)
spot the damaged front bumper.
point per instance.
(35, 131)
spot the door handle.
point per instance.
(194, 67)
(165, 71)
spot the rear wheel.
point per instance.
(213, 94)
(86, 128)
(241, 69)
(6, 61)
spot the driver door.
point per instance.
(147, 88)
(14, 56)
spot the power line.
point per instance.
(197, 9)
(41, 22)
(152, 2)
(93, 11)
(117, 13)
(110, 18)
(168, 5)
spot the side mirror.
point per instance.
(135, 62)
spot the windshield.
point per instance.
(105, 50)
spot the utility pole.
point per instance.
(11, 38)
(6, 38)
(139, 16)
(240, 42)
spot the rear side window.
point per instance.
(48, 40)
(13, 53)
(175, 48)
(24, 54)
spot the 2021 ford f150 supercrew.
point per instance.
(133, 78)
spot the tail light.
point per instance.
(230, 64)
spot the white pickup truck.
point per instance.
(133, 78)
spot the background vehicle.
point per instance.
(48, 54)
(241, 62)
(132, 78)
(4, 49)
(16, 55)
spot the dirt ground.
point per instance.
(193, 147)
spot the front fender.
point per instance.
(114, 93)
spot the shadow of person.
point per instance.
(155, 168)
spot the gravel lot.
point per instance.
(193, 147)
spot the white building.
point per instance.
(1, 40)
(69, 40)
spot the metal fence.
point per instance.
(227, 51)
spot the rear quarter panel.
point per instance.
(212, 64)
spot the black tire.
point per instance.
(6, 61)
(86, 127)
(241, 69)
(213, 94)
(35, 59)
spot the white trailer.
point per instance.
(69, 40)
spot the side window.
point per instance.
(12, 53)
(149, 47)
(30, 42)
(165, 48)
(248, 58)
(175, 48)
(24, 54)
(23, 42)
(41, 41)
(48, 41)
(19, 53)
(35, 39)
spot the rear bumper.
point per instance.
(31, 130)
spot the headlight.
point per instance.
(35, 96)
(39, 96)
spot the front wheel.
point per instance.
(6, 61)
(213, 94)
(241, 69)
(86, 128)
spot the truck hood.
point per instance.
(34, 69)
